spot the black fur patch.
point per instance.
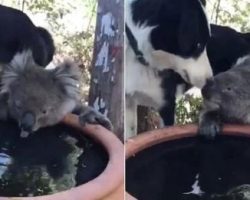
(225, 47)
(170, 81)
(18, 33)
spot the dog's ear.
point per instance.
(67, 75)
(43, 48)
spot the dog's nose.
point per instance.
(208, 89)
(27, 122)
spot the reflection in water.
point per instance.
(196, 189)
(238, 193)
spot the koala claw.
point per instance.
(209, 128)
(91, 116)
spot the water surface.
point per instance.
(190, 169)
(50, 160)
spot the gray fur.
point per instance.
(226, 99)
(36, 97)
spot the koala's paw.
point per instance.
(91, 116)
(209, 126)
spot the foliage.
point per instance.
(187, 109)
(232, 13)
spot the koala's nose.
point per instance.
(208, 89)
(27, 122)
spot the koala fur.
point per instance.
(226, 99)
(36, 97)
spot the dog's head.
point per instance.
(180, 39)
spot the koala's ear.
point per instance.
(18, 65)
(22, 61)
(67, 75)
(9, 76)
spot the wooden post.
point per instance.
(106, 89)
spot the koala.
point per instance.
(36, 97)
(226, 99)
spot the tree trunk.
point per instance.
(217, 12)
(106, 89)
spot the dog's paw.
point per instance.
(91, 116)
(209, 126)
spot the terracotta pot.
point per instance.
(109, 184)
(151, 138)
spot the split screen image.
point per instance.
(125, 100)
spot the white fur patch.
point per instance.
(138, 78)
(193, 71)
(142, 80)
(140, 32)
(195, 92)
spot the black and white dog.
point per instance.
(163, 34)
(18, 33)
(225, 48)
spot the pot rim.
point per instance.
(107, 182)
(150, 138)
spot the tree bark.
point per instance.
(106, 87)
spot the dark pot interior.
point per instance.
(169, 170)
(51, 160)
